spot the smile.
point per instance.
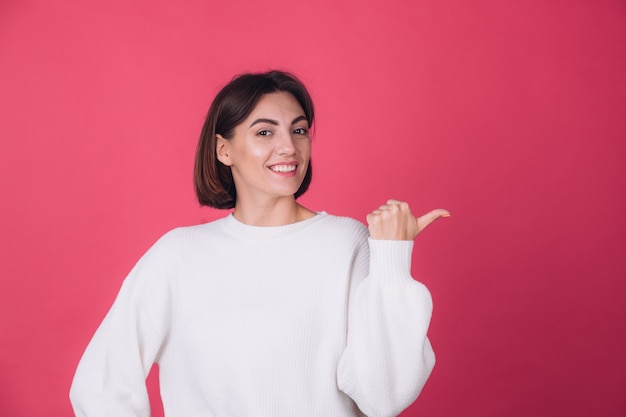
(283, 168)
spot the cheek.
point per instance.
(304, 148)
(259, 152)
(254, 151)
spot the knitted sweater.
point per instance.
(307, 319)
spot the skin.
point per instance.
(276, 133)
(395, 221)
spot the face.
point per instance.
(270, 150)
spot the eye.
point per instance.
(264, 132)
(301, 131)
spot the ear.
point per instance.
(222, 150)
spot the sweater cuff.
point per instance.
(390, 260)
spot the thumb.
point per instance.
(428, 218)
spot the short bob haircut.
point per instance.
(233, 104)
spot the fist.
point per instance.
(395, 221)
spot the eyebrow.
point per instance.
(275, 123)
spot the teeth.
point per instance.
(283, 168)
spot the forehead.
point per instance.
(277, 104)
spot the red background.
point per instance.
(509, 114)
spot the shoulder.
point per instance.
(344, 227)
(343, 221)
(180, 240)
(182, 234)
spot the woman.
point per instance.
(274, 310)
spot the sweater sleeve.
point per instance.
(110, 378)
(388, 356)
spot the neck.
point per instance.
(273, 213)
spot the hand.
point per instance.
(394, 221)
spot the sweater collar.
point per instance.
(234, 226)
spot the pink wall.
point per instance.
(509, 114)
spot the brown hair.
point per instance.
(233, 104)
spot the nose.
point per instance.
(285, 144)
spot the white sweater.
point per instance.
(308, 319)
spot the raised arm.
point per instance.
(388, 356)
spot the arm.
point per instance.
(110, 378)
(388, 356)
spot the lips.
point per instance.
(283, 168)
